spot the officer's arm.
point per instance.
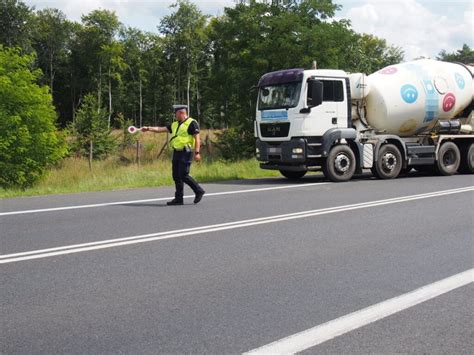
(197, 146)
(155, 129)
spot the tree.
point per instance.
(464, 55)
(15, 24)
(91, 130)
(51, 39)
(185, 40)
(112, 55)
(91, 49)
(29, 141)
(369, 54)
(51, 32)
(158, 91)
(136, 44)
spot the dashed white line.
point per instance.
(342, 325)
(77, 248)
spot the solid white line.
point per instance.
(76, 248)
(339, 326)
(64, 208)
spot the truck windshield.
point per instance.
(279, 96)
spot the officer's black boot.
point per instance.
(175, 202)
(199, 196)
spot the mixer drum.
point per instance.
(408, 98)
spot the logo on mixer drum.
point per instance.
(409, 93)
(448, 102)
(460, 80)
(388, 71)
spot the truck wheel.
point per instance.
(292, 175)
(449, 159)
(340, 164)
(467, 160)
(389, 162)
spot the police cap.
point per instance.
(179, 107)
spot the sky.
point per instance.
(421, 28)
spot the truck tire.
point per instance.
(340, 165)
(292, 175)
(389, 162)
(449, 159)
(467, 160)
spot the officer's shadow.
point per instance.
(155, 204)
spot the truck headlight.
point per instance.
(257, 151)
(297, 151)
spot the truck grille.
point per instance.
(275, 129)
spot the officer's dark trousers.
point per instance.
(181, 165)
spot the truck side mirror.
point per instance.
(315, 93)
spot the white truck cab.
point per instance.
(296, 109)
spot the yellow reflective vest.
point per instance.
(180, 136)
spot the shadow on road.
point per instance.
(149, 204)
(314, 178)
(274, 181)
(158, 204)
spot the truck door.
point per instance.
(332, 113)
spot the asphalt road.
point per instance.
(255, 262)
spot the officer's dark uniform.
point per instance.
(182, 142)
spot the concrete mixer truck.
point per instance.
(412, 115)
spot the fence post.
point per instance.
(138, 153)
(91, 145)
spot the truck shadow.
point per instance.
(274, 181)
(315, 178)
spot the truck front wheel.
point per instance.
(292, 175)
(449, 159)
(389, 162)
(340, 164)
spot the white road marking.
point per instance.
(77, 248)
(342, 325)
(158, 199)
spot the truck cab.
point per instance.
(300, 113)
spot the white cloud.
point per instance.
(415, 26)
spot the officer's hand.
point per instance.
(197, 156)
(145, 129)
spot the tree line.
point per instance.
(211, 63)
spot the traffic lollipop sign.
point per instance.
(133, 129)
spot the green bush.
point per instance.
(29, 140)
(91, 125)
(235, 144)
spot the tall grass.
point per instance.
(73, 175)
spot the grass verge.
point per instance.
(73, 176)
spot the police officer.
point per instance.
(186, 143)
